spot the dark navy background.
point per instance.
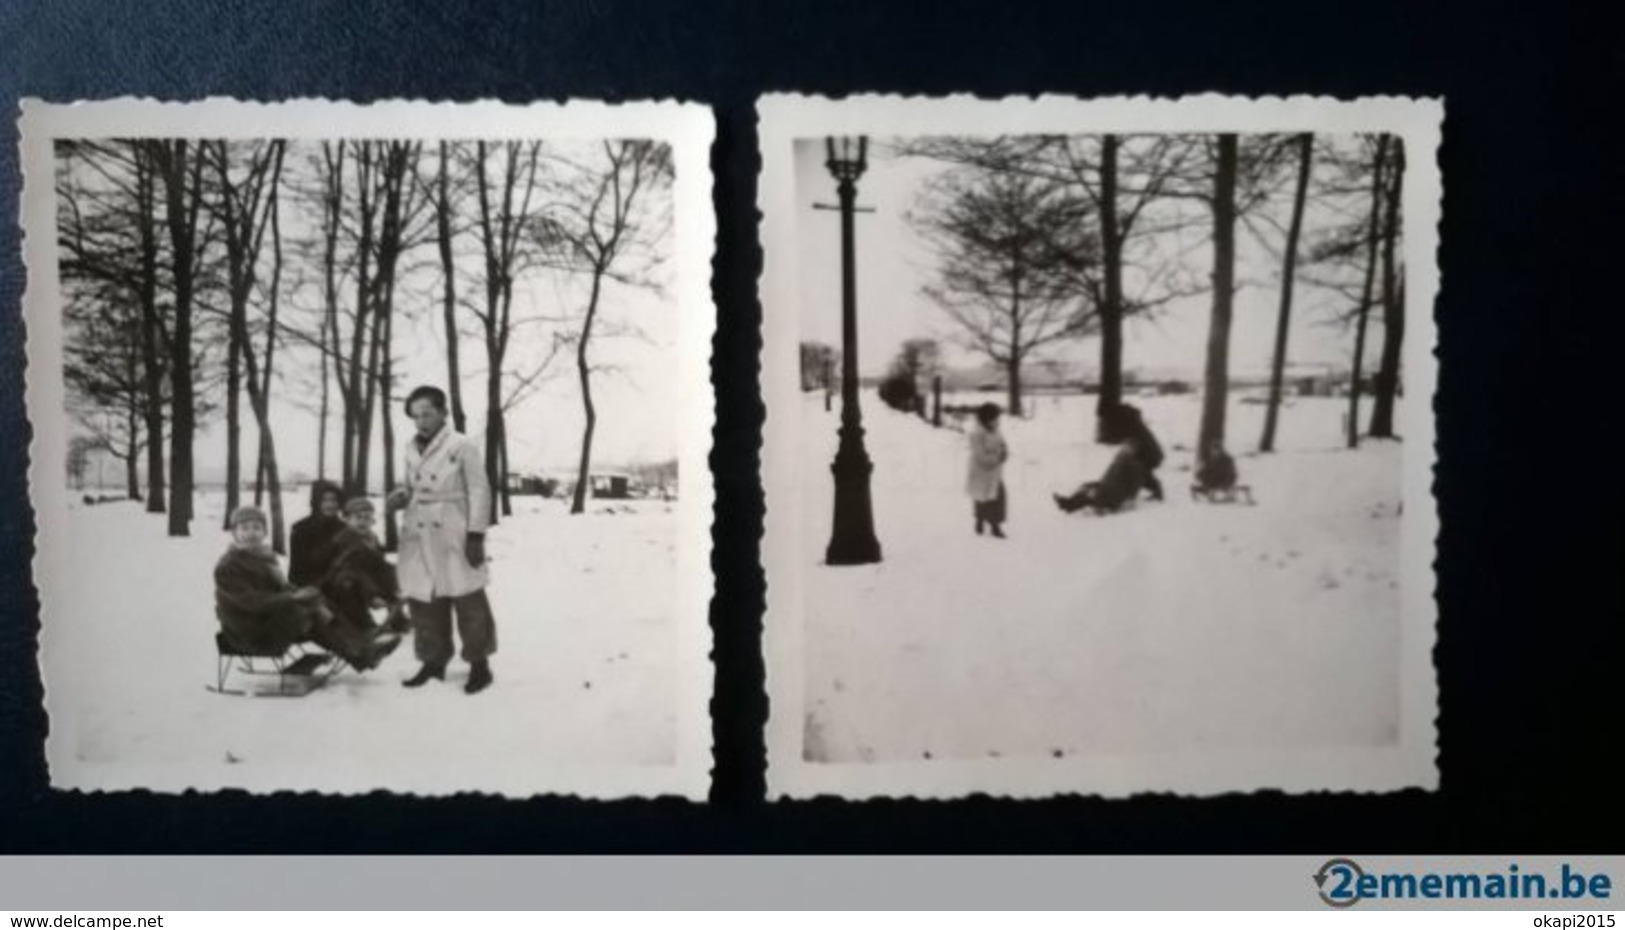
(1530, 335)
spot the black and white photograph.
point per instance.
(1099, 445)
(370, 445)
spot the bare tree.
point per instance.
(180, 170)
(79, 450)
(502, 227)
(444, 209)
(1289, 268)
(246, 206)
(1122, 177)
(1386, 382)
(1013, 255)
(330, 172)
(919, 358)
(242, 205)
(1216, 380)
(609, 226)
(1378, 168)
(105, 234)
(817, 361)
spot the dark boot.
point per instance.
(479, 677)
(424, 674)
(979, 527)
(997, 532)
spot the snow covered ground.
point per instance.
(585, 668)
(1176, 626)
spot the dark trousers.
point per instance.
(1153, 485)
(1089, 495)
(992, 511)
(431, 628)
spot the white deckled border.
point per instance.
(688, 127)
(1410, 764)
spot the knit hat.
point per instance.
(247, 513)
(356, 505)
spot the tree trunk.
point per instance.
(132, 474)
(321, 416)
(454, 378)
(262, 474)
(333, 213)
(181, 196)
(1111, 309)
(584, 370)
(1012, 369)
(1012, 379)
(1216, 383)
(151, 367)
(493, 432)
(234, 390)
(356, 417)
(502, 489)
(391, 524)
(1372, 235)
(1393, 306)
(1288, 276)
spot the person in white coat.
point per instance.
(985, 479)
(446, 504)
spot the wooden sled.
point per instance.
(1237, 494)
(293, 672)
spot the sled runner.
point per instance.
(1238, 494)
(294, 672)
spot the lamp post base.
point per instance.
(852, 541)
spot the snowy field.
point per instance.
(1175, 626)
(585, 667)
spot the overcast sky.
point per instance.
(894, 263)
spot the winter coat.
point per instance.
(1150, 449)
(451, 498)
(357, 573)
(255, 602)
(356, 563)
(1122, 481)
(988, 453)
(309, 544)
(1218, 472)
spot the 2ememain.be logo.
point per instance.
(1343, 883)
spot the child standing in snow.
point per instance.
(985, 481)
(259, 609)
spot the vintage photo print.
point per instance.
(369, 445)
(1099, 445)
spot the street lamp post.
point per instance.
(852, 538)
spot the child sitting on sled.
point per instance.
(1121, 483)
(1216, 477)
(359, 578)
(260, 610)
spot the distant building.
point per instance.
(610, 485)
(538, 485)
